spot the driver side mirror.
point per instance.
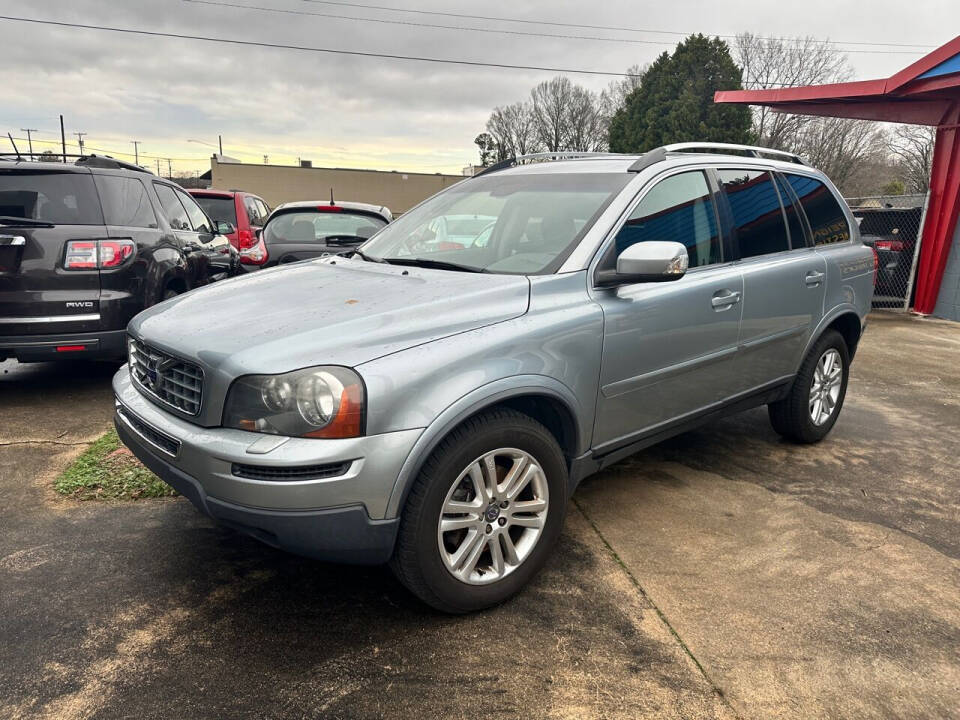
(651, 261)
(225, 228)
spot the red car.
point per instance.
(245, 211)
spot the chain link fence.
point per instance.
(891, 225)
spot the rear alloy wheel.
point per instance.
(483, 514)
(811, 408)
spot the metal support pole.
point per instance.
(63, 139)
(916, 253)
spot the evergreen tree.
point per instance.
(674, 102)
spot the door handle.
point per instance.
(724, 299)
(813, 278)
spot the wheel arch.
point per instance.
(166, 270)
(844, 319)
(542, 398)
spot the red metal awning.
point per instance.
(925, 93)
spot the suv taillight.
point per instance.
(97, 254)
(891, 245)
(245, 239)
(256, 255)
(876, 266)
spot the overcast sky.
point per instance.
(345, 111)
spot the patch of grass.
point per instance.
(108, 471)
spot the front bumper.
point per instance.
(103, 345)
(338, 518)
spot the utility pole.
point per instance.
(220, 140)
(63, 139)
(29, 137)
(169, 170)
(80, 140)
(158, 167)
(136, 151)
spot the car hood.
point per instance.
(332, 311)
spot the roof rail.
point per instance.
(105, 161)
(754, 150)
(543, 157)
(98, 161)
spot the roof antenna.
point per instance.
(17, 151)
(331, 196)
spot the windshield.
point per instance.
(220, 209)
(513, 224)
(313, 226)
(56, 198)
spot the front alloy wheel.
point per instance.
(493, 516)
(483, 514)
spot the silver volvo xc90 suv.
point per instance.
(433, 398)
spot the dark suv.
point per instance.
(85, 246)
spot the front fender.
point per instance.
(470, 404)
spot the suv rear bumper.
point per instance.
(103, 345)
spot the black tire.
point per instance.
(791, 416)
(417, 562)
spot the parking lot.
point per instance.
(724, 573)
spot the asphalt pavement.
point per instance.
(724, 573)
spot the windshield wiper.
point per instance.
(363, 255)
(12, 220)
(435, 264)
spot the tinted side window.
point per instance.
(125, 202)
(198, 218)
(172, 208)
(59, 198)
(827, 220)
(264, 211)
(757, 216)
(678, 209)
(797, 235)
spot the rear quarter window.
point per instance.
(64, 198)
(828, 223)
(125, 202)
(220, 209)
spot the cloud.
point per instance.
(337, 109)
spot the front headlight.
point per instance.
(318, 402)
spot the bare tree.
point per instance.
(776, 63)
(551, 100)
(614, 96)
(586, 122)
(513, 130)
(839, 145)
(836, 145)
(558, 116)
(912, 148)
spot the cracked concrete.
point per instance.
(805, 582)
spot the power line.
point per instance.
(340, 3)
(408, 23)
(119, 152)
(303, 48)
